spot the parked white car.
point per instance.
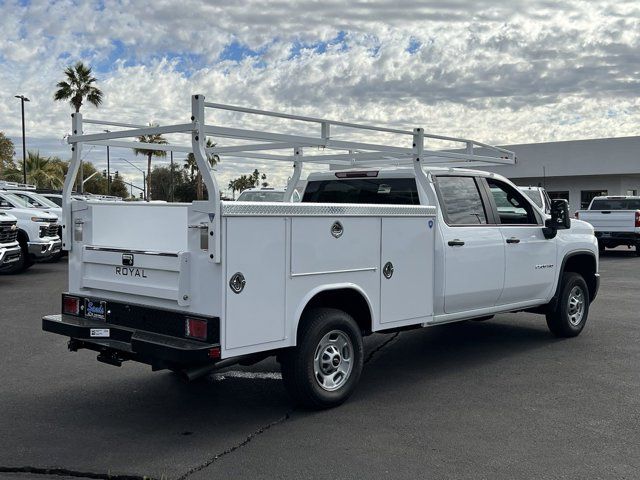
(37, 230)
(10, 252)
(616, 221)
(195, 287)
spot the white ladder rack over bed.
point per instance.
(261, 143)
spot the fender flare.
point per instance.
(311, 294)
(556, 295)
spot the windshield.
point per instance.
(533, 195)
(11, 200)
(36, 200)
(261, 196)
(616, 204)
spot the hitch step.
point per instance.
(110, 358)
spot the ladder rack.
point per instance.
(363, 151)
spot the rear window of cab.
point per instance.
(386, 191)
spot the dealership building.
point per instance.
(577, 170)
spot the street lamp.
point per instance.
(24, 143)
(144, 176)
(108, 169)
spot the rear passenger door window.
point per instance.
(461, 200)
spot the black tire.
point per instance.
(299, 364)
(601, 248)
(565, 321)
(637, 249)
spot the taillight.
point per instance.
(577, 215)
(195, 328)
(70, 305)
(637, 218)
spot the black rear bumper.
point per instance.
(117, 343)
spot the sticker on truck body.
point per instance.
(99, 333)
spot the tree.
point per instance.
(247, 181)
(151, 138)
(192, 166)
(7, 151)
(44, 172)
(78, 87)
(118, 188)
(97, 184)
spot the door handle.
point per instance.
(513, 240)
(456, 243)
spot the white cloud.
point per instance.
(504, 72)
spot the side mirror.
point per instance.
(560, 218)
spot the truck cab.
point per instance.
(616, 221)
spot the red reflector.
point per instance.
(637, 218)
(214, 352)
(366, 173)
(195, 328)
(70, 305)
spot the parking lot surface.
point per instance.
(494, 399)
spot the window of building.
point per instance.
(587, 195)
(462, 201)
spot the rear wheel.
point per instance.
(572, 309)
(324, 369)
(601, 248)
(637, 249)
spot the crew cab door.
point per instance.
(530, 258)
(474, 250)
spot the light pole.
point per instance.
(24, 142)
(108, 169)
(172, 195)
(144, 178)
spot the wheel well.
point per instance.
(585, 265)
(348, 300)
(22, 236)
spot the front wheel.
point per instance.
(323, 370)
(572, 309)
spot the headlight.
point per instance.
(41, 220)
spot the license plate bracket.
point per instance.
(95, 309)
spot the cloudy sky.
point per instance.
(496, 71)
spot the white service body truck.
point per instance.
(195, 287)
(37, 230)
(616, 221)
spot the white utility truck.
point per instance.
(10, 251)
(195, 287)
(616, 221)
(37, 230)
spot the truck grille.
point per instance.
(50, 230)
(8, 232)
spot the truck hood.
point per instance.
(7, 217)
(27, 213)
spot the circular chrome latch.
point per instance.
(336, 229)
(237, 282)
(387, 270)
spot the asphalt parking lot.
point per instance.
(494, 399)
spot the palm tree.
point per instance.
(44, 172)
(78, 86)
(192, 166)
(151, 138)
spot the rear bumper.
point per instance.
(122, 343)
(630, 237)
(44, 249)
(9, 255)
